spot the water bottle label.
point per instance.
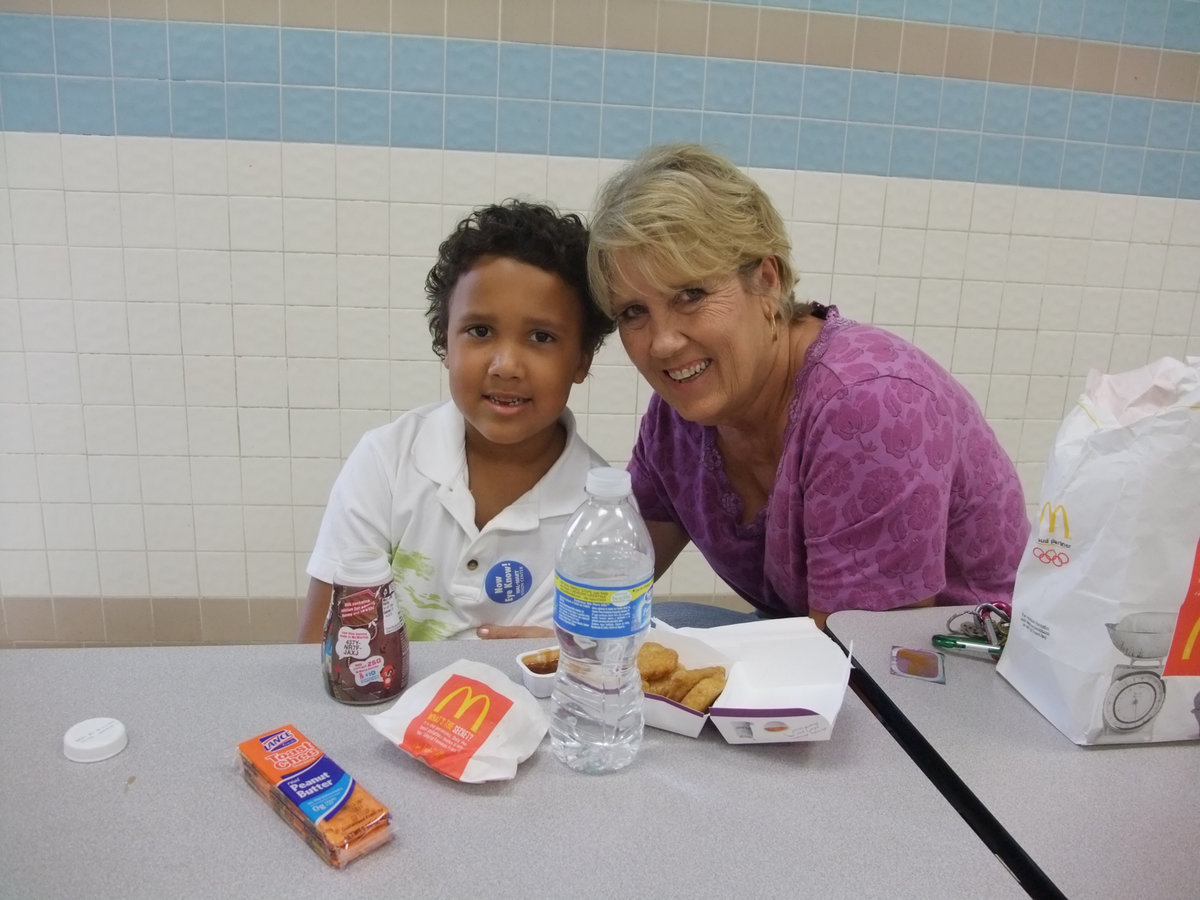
(602, 612)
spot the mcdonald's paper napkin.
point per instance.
(469, 721)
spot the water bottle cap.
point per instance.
(363, 570)
(609, 483)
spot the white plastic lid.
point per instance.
(94, 739)
(363, 570)
(609, 483)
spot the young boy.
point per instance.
(469, 499)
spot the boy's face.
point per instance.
(514, 347)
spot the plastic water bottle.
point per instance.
(603, 588)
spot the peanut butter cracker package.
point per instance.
(314, 795)
(468, 721)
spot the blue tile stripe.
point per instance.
(130, 77)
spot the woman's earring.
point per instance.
(775, 327)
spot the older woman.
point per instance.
(817, 463)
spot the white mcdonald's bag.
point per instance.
(1105, 635)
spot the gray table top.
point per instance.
(170, 816)
(1114, 821)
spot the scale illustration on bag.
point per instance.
(1138, 690)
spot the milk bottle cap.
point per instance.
(95, 739)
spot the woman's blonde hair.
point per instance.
(687, 215)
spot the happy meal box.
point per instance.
(786, 680)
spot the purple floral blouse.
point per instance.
(892, 487)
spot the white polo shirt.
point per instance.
(403, 491)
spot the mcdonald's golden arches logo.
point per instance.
(469, 699)
(1053, 511)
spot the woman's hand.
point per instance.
(496, 632)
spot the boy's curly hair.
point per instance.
(532, 233)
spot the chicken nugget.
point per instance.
(657, 686)
(701, 697)
(656, 661)
(683, 680)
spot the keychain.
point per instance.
(982, 629)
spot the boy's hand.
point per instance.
(496, 632)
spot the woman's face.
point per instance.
(705, 347)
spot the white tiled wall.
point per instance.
(193, 334)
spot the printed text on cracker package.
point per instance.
(304, 775)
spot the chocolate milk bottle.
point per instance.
(365, 652)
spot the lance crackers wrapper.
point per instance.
(314, 795)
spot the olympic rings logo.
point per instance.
(1051, 557)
